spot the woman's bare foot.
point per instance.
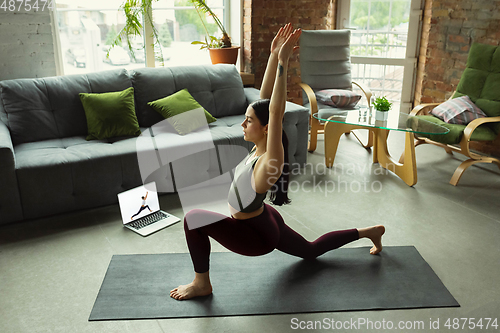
(375, 235)
(200, 286)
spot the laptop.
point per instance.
(140, 209)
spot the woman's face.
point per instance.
(252, 129)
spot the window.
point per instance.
(87, 28)
(384, 41)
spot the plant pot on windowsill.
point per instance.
(225, 55)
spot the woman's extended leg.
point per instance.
(294, 244)
(251, 237)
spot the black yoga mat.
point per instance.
(347, 279)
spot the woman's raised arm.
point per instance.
(272, 164)
(266, 88)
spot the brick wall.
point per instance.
(449, 28)
(26, 45)
(262, 20)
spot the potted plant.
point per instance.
(382, 107)
(135, 9)
(221, 49)
(136, 12)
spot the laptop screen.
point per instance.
(138, 202)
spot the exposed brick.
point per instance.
(485, 5)
(446, 87)
(460, 14)
(473, 23)
(426, 99)
(458, 39)
(441, 13)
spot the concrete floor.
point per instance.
(51, 269)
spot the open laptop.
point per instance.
(140, 209)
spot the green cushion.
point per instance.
(481, 79)
(473, 84)
(481, 133)
(110, 114)
(480, 56)
(182, 111)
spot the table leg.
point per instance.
(369, 144)
(407, 170)
(333, 132)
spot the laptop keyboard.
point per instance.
(147, 220)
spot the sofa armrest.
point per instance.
(295, 125)
(6, 148)
(252, 94)
(10, 200)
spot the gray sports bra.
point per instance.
(242, 196)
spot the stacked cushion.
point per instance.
(338, 98)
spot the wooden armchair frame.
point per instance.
(424, 109)
(317, 128)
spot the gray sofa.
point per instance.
(47, 167)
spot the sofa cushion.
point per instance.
(179, 109)
(61, 175)
(50, 108)
(218, 89)
(110, 114)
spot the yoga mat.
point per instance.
(346, 279)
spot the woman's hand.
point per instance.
(289, 45)
(281, 38)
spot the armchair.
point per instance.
(480, 81)
(325, 63)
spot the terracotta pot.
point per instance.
(227, 55)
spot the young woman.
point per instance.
(254, 227)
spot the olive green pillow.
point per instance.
(182, 111)
(110, 114)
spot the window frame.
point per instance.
(409, 62)
(234, 26)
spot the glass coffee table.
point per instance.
(340, 122)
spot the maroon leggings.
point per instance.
(256, 236)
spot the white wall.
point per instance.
(26, 45)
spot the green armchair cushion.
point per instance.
(481, 79)
(481, 133)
